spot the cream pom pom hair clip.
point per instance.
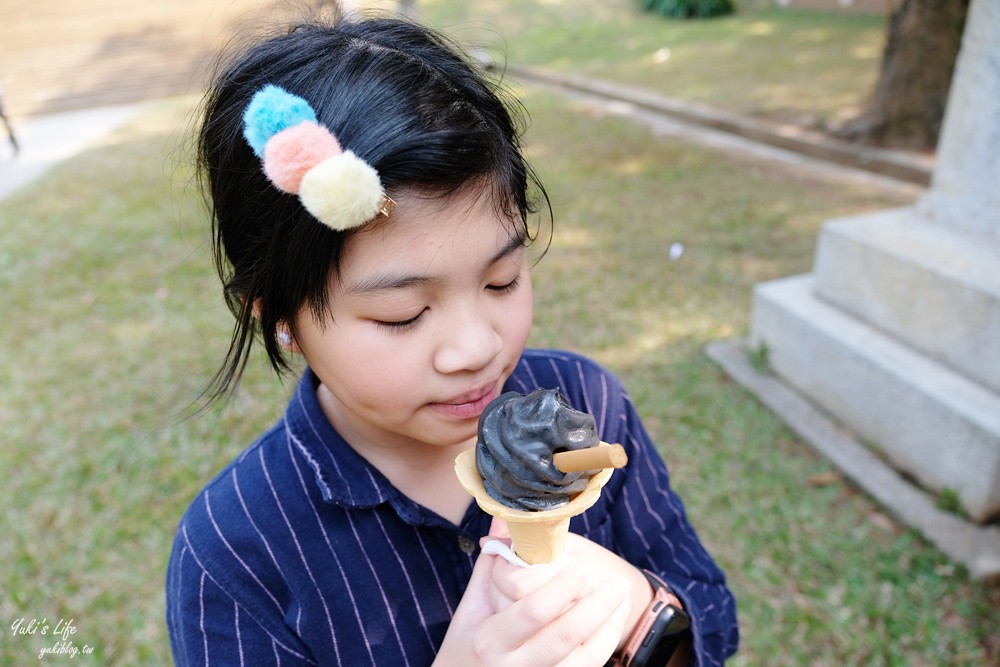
(302, 157)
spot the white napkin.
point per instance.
(497, 547)
(504, 550)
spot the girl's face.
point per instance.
(428, 317)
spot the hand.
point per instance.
(592, 562)
(566, 614)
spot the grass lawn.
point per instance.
(114, 322)
(806, 67)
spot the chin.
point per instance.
(458, 435)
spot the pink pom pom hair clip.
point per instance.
(302, 157)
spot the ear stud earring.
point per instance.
(284, 337)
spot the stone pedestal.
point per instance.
(896, 333)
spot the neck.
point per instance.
(423, 472)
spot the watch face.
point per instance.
(677, 622)
(668, 630)
(662, 651)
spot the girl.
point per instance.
(370, 204)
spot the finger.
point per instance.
(601, 645)
(472, 614)
(526, 616)
(498, 528)
(511, 583)
(490, 538)
(475, 600)
(516, 582)
(555, 590)
(499, 601)
(592, 623)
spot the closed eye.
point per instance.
(506, 287)
(400, 326)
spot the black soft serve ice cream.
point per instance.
(518, 436)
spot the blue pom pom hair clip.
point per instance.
(302, 157)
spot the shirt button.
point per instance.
(466, 545)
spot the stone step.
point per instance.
(977, 547)
(928, 420)
(933, 287)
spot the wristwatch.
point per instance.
(659, 632)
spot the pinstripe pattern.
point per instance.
(301, 553)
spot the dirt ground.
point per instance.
(59, 55)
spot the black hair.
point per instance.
(397, 94)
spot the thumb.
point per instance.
(482, 569)
(498, 531)
(475, 606)
(498, 528)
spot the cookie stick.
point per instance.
(537, 536)
(591, 458)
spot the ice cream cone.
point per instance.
(538, 537)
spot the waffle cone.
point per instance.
(538, 537)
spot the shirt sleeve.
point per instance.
(208, 627)
(652, 531)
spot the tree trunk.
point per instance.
(908, 103)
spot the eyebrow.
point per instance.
(386, 281)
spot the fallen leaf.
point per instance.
(883, 522)
(824, 478)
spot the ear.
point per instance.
(283, 332)
(286, 339)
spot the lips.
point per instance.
(470, 404)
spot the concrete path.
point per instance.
(47, 140)
(899, 165)
(69, 68)
(703, 131)
(73, 70)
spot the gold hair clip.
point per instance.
(387, 207)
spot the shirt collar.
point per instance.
(343, 476)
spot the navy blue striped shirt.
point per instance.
(301, 553)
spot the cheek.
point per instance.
(355, 355)
(518, 317)
(385, 360)
(376, 376)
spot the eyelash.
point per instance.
(406, 325)
(505, 289)
(401, 326)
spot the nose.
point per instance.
(469, 342)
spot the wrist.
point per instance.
(660, 631)
(642, 596)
